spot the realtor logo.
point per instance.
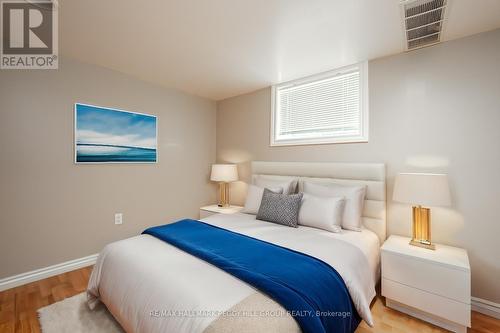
(29, 34)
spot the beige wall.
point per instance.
(52, 210)
(436, 109)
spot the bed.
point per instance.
(149, 285)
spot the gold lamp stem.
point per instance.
(421, 232)
(223, 194)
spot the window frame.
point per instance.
(362, 67)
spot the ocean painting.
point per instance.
(104, 135)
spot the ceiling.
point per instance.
(222, 48)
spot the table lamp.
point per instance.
(422, 189)
(224, 174)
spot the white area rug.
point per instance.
(72, 315)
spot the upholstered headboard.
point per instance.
(370, 174)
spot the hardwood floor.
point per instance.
(389, 320)
(18, 308)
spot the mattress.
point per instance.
(151, 286)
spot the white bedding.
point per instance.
(139, 277)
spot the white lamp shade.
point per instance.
(422, 189)
(224, 173)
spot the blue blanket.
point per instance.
(311, 290)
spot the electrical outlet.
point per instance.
(118, 218)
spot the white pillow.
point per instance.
(254, 198)
(354, 201)
(322, 212)
(288, 186)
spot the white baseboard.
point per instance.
(485, 307)
(43, 273)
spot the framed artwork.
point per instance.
(105, 135)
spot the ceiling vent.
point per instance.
(423, 21)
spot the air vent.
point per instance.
(423, 22)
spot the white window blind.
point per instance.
(325, 108)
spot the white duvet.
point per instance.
(151, 286)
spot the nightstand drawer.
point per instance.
(427, 276)
(434, 304)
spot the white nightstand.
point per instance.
(431, 285)
(214, 209)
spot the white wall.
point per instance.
(436, 109)
(52, 210)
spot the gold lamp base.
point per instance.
(223, 194)
(429, 246)
(421, 231)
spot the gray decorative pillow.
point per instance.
(280, 208)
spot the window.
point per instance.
(330, 107)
